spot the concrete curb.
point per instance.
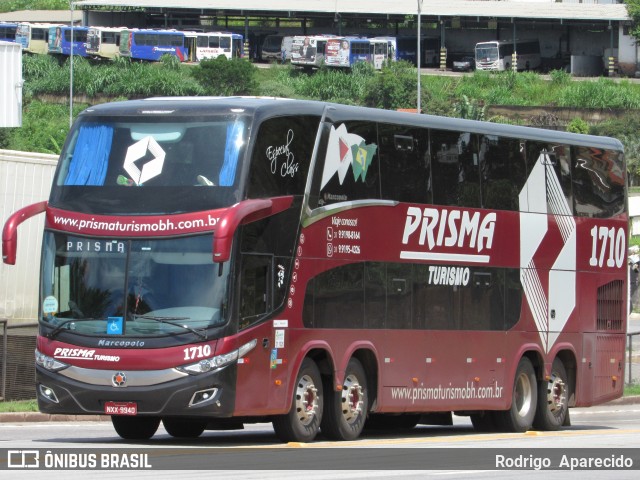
(30, 417)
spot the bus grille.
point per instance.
(610, 305)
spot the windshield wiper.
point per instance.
(168, 321)
(60, 326)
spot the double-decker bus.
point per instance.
(215, 44)
(60, 40)
(347, 51)
(209, 262)
(383, 49)
(141, 44)
(103, 42)
(34, 37)
(497, 55)
(8, 32)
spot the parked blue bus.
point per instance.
(347, 51)
(140, 44)
(8, 32)
(60, 40)
(429, 50)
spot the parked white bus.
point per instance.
(497, 55)
(34, 37)
(104, 42)
(383, 49)
(215, 44)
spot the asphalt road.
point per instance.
(455, 451)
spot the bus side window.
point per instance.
(282, 155)
(598, 176)
(351, 167)
(404, 167)
(504, 171)
(255, 288)
(455, 168)
(557, 158)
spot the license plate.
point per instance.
(121, 408)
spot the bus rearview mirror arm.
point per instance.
(10, 230)
(242, 213)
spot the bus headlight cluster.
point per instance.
(49, 363)
(219, 361)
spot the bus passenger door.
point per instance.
(254, 289)
(190, 46)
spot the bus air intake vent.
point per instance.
(611, 307)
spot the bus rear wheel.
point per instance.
(519, 418)
(553, 399)
(135, 428)
(302, 423)
(346, 410)
(184, 427)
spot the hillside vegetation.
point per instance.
(46, 91)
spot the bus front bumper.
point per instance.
(208, 394)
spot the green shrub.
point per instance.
(394, 87)
(220, 76)
(273, 88)
(44, 128)
(559, 77)
(577, 125)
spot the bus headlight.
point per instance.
(49, 363)
(219, 361)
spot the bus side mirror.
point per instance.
(242, 213)
(10, 230)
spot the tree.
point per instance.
(633, 9)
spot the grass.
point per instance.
(19, 406)
(633, 389)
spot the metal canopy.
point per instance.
(365, 8)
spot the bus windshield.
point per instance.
(139, 165)
(487, 53)
(131, 287)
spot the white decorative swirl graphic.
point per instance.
(542, 194)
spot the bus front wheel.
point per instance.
(346, 410)
(302, 422)
(135, 428)
(184, 427)
(553, 399)
(519, 418)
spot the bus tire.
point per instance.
(485, 422)
(346, 411)
(553, 399)
(302, 423)
(184, 427)
(519, 418)
(135, 428)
